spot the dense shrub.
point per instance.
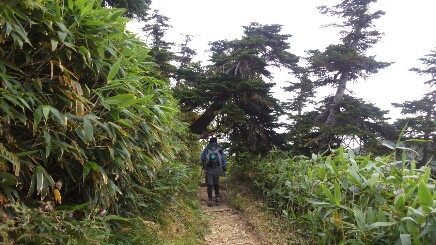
(88, 127)
(348, 199)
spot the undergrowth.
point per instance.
(269, 227)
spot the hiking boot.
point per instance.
(210, 203)
(218, 200)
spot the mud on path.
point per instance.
(227, 226)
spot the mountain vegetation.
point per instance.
(101, 131)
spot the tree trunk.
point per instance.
(200, 126)
(427, 133)
(324, 140)
(340, 91)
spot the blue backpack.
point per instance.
(213, 155)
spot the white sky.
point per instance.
(408, 27)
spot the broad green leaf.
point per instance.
(354, 177)
(327, 162)
(321, 173)
(406, 239)
(410, 192)
(26, 153)
(424, 195)
(115, 14)
(118, 99)
(113, 84)
(103, 174)
(47, 137)
(118, 161)
(61, 26)
(62, 36)
(145, 98)
(413, 167)
(110, 50)
(370, 216)
(18, 115)
(125, 123)
(337, 191)
(20, 30)
(114, 70)
(132, 115)
(340, 150)
(426, 175)
(62, 119)
(374, 179)
(360, 219)
(309, 173)
(87, 8)
(399, 203)
(12, 99)
(381, 216)
(86, 169)
(71, 4)
(408, 218)
(46, 111)
(403, 159)
(317, 203)
(17, 39)
(7, 179)
(32, 185)
(128, 102)
(380, 224)
(335, 169)
(39, 179)
(94, 166)
(85, 52)
(48, 178)
(351, 154)
(428, 229)
(328, 194)
(142, 55)
(88, 130)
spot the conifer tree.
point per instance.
(233, 95)
(421, 122)
(340, 64)
(155, 28)
(135, 9)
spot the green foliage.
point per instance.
(66, 225)
(336, 66)
(232, 94)
(136, 9)
(343, 198)
(359, 126)
(86, 120)
(155, 29)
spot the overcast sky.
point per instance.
(408, 27)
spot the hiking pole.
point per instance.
(203, 172)
(227, 188)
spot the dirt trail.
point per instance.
(227, 226)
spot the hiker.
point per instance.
(214, 164)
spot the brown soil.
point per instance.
(227, 225)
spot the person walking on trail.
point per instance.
(214, 164)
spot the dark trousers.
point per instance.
(212, 180)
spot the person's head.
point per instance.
(213, 140)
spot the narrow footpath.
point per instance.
(226, 224)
